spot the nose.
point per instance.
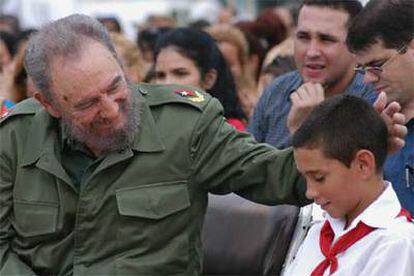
(169, 79)
(311, 192)
(109, 108)
(370, 77)
(313, 49)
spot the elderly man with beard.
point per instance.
(106, 178)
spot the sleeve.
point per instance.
(10, 263)
(225, 160)
(392, 257)
(257, 125)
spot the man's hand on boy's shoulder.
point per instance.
(395, 121)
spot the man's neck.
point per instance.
(340, 86)
(408, 110)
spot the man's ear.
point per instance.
(411, 47)
(364, 163)
(47, 104)
(411, 44)
(210, 79)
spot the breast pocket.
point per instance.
(153, 201)
(153, 229)
(35, 218)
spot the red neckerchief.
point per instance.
(326, 238)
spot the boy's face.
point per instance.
(332, 185)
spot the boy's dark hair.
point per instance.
(389, 20)
(351, 7)
(342, 125)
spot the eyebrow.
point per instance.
(375, 62)
(319, 35)
(328, 36)
(114, 83)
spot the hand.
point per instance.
(395, 122)
(304, 100)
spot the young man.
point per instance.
(382, 37)
(340, 150)
(324, 66)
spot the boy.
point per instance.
(340, 149)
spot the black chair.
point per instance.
(244, 238)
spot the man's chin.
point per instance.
(313, 79)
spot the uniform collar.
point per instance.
(148, 138)
(42, 138)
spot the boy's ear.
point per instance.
(47, 104)
(364, 163)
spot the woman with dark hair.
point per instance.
(191, 57)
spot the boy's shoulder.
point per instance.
(399, 228)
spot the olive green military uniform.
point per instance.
(139, 211)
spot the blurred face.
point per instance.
(4, 55)
(330, 183)
(230, 53)
(320, 51)
(396, 75)
(92, 98)
(132, 70)
(173, 68)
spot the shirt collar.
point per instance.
(378, 215)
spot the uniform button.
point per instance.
(143, 92)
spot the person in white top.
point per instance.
(340, 149)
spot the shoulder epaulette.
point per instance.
(164, 94)
(26, 107)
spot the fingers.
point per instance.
(304, 99)
(380, 102)
(392, 109)
(310, 94)
(396, 126)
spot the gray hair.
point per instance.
(64, 37)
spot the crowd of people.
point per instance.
(109, 146)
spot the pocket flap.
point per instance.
(35, 218)
(153, 201)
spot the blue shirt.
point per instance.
(399, 170)
(268, 123)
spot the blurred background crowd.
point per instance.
(253, 36)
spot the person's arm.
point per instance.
(10, 263)
(225, 160)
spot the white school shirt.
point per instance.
(388, 250)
